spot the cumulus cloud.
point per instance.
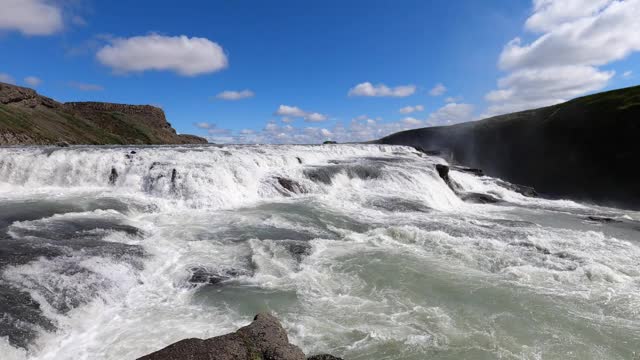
(576, 37)
(361, 128)
(452, 113)
(181, 54)
(381, 90)
(409, 121)
(32, 81)
(30, 17)
(536, 87)
(288, 112)
(627, 74)
(235, 95)
(452, 99)
(438, 90)
(411, 109)
(85, 86)
(6, 78)
(204, 125)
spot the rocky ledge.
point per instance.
(28, 118)
(263, 339)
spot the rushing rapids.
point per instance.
(363, 251)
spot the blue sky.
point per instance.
(307, 71)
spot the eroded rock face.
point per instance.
(28, 118)
(21, 96)
(263, 339)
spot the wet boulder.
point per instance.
(520, 189)
(468, 170)
(113, 176)
(478, 198)
(205, 276)
(603, 219)
(298, 249)
(323, 357)
(443, 172)
(264, 338)
(288, 186)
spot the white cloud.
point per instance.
(315, 117)
(548, 14)
(452, 99)
(361, 128)
(235, 95)
(293, 111)
(30, 17)
(537, 87)
(452, 113)
(627, 74)
(326, 132)
(204, 125)
(289, 112)
(85, 86)
(576, 38)
(381, 90)
(32, 81)
(438, 90)
(409, 121)
(411, 109)
(186, 56)
(6, 78)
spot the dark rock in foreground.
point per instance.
(263, 339)
(585, 149)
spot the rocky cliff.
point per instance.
(27, 118)
(585, 149)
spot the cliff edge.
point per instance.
(27, 118)
(585, 149)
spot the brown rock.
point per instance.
(263, 339)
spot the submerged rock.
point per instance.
(520, 189)
(476, 172)
(430, 152)
(113, 176)
(323, 357)
(479, 198)
(264, 339)
(443, 172)
(62, 144)
(290, 186)
(602, 219)
(203, 275)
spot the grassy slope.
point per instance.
(43, 125)
(586, 148)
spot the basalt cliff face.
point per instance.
(586, 149)
(27, 118)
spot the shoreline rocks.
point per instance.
(263, 339)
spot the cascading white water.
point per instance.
(362, 250)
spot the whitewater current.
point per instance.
(362, 251)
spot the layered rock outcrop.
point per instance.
(27, 118)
